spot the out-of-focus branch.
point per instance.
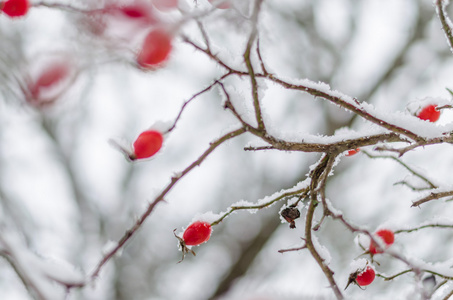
(66, 7)
(447, 25)
(388, 278)
(35, 274)
(436, 225)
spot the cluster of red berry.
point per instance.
(365, 276)
(155, 48)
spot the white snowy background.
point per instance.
(66, 195)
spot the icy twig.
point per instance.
(66, 7)
(293, 249)
(187, 102)
(436, 225)
(214, 57)
(248, 62)
(388, 278)
(229, 105)
(258, 53)
(417, 174)
(352, 106)
(316, 175)
(447, 138)
(447, 25)
(432, 196)
(302, 192)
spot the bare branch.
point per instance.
(445, 21)
(283, 196)
(432, 196)
(417, 174)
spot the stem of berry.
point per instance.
(316, 175)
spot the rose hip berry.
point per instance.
(155, 49)
(362, 277)
(15, 8)
(386, 236)
(365, 277)
(429, 113)
(196, 234)
(353, 151)
(49, 77)
(147, 144)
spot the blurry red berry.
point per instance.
(386, 236)
(50, 83)
(365, 277)
(52, 75)
(353, 151)
(429, 113)
(15, 8)
(155, 49)
(132, 12)
(140, 11)
(147, 144)
(197, 233)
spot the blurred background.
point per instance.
(66, 194)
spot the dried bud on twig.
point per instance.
(290, 214)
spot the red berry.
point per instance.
(50, 83)
(386, 236)
(138, 11)
(429, 113)
(155, 49)
(353, 151)
(52, 75)
(132, 12)
(197, 233)
(366, 277)
(15, 8)
(147, 144)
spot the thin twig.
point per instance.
(316, 174)
(248, 62)
(423, 227)
(417, 174)
(259, 206)
(183, 107)
(432, 196)
(445, 21)
(131, 232)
